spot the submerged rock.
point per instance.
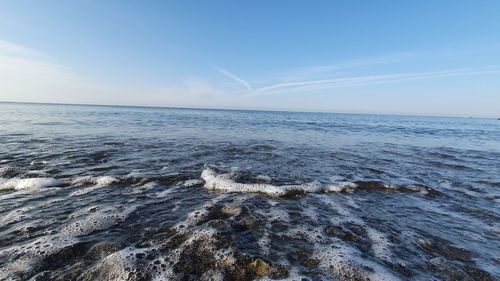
(231, 210)
(279, 271)
(442, 248)
(249, 222)
(451, 271)
(310, 262)
(260, 267)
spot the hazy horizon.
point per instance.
(248, 109)
(388, 57)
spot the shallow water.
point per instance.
(130, 193)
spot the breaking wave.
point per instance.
(226, 183)
(28, 183)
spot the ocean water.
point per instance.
(131, 193)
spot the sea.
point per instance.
(148, 193)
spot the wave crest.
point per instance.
(28, 183)
(223, 182)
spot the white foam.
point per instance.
(143, 188)
(422, 190)
(191, 219)
(98, 182)
(206, 235)
(223, 182)
(340, 187)
(192, 182)
(380, 244)
(275, 214)
(27, 226)
(225, 256)
(116, 266)
(346, 263)
(28, 184)
(85, 190)
(101, 180)
(95, 219)
(342, 260)
(24, 259)
(16, 215)
(264, 243)
(83, 212)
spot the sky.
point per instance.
(392, 57)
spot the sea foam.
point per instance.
(26, 259)
(28, 184)
(223, 182)
(226, 182)
(102, 180)
(97, 182)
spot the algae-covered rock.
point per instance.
(231, 210)
(260, 267)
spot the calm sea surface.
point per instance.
(132, 193)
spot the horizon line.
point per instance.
(249, 109)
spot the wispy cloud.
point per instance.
(233, 77)
(20, 61)
(356, 81)
(315, 78)
(29, 75)
(12, 49)
(324, 71)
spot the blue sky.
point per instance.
(397, 57)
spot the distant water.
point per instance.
(131, 193)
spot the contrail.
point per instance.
(309, 85)
(233, 77)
